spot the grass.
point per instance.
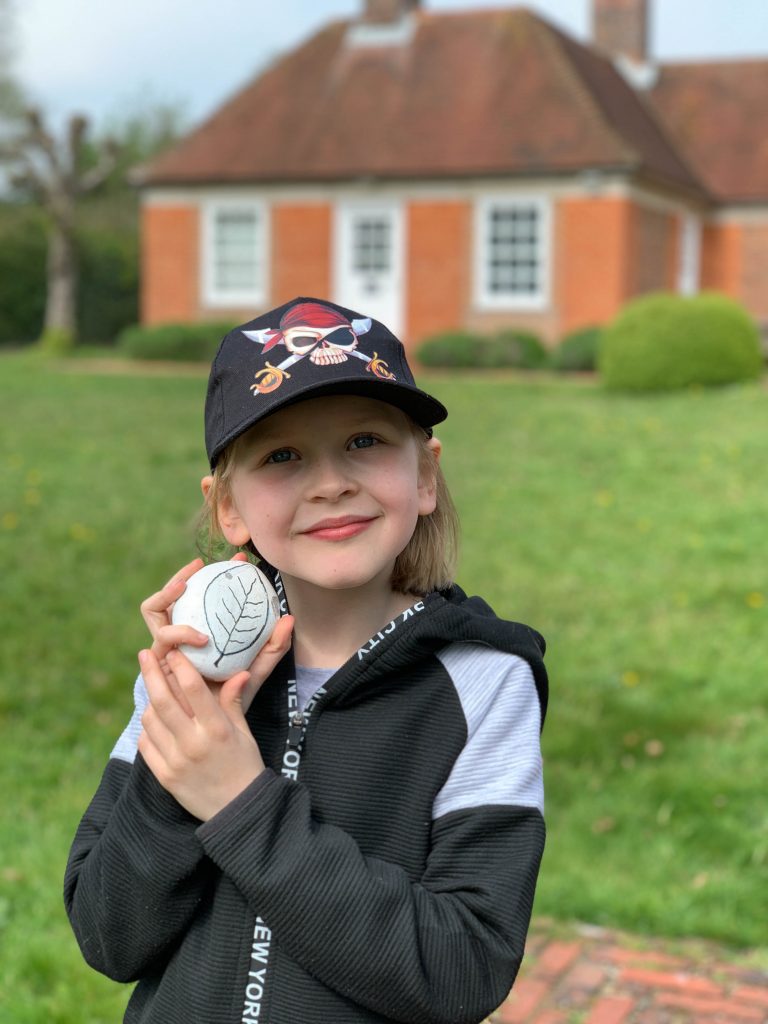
(630, 531)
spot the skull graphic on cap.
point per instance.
(318, 331)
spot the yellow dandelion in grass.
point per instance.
(755, 599)
(80, 532)
(32, 497)
(644, 525)
(10, 521)
(34, 478)
(630, 677)
(604, 499)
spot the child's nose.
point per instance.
(331, 479)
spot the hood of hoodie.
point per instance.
(440, 618)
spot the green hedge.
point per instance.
(182, 342)
(107, 297)
(578, 350)
(22, 273)
(663, 341)
(507, 348)
(108, 292)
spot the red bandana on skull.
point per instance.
(319, 332)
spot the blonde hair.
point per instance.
(428, 561)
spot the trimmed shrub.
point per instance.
(578, 350)
(450, 348)
(660, 342)
(507, 348)
(182, 342)
(510, 347)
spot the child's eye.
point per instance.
(281, 455)
(363, 441)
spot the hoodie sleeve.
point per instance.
(442, 950)
(136, 871)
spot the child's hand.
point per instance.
(196, 740)
(156, 612)
(202, 750)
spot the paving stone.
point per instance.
(711, 1007)
(586, 974)
(610, 1010)
(555, 958)
(686, 982)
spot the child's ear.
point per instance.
(428, 477)
(231, 525)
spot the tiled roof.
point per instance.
(717, 114)
(487, 92)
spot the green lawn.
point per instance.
(633, 532)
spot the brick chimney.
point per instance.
(620, 28)
(382, 12)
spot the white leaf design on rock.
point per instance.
(236, 610)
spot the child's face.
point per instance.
(329, 491)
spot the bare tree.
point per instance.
(57, 173)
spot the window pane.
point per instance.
(513, 257)
(236, 265)
(372, 245)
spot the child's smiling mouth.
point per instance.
(339, 527)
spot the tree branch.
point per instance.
(91, 179)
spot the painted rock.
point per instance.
(236, 606)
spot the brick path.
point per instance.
(587, 975)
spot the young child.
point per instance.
(351, 831)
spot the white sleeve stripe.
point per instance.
(501, 761)
(126, 747)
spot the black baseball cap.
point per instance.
(305, 349)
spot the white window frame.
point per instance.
(213, 295)
(485, 298)
(689, 261)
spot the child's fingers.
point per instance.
(165, 703)
(195, 690)
(268, 657)
(155, 608)
(168, 637)
(274, 649)
(231, 697)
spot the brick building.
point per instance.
(475, 169)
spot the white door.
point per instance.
(370, 261)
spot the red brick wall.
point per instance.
(735, 261)
(439, 253)
(653, 250)
(301, 252)
(605, 250)
(170, 264)
(592, 259)
(754, 273)
(721, 258)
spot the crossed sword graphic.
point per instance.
(273, 376)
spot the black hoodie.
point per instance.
(381, 869)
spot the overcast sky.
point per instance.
(108, 57)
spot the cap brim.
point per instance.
(421, 407)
